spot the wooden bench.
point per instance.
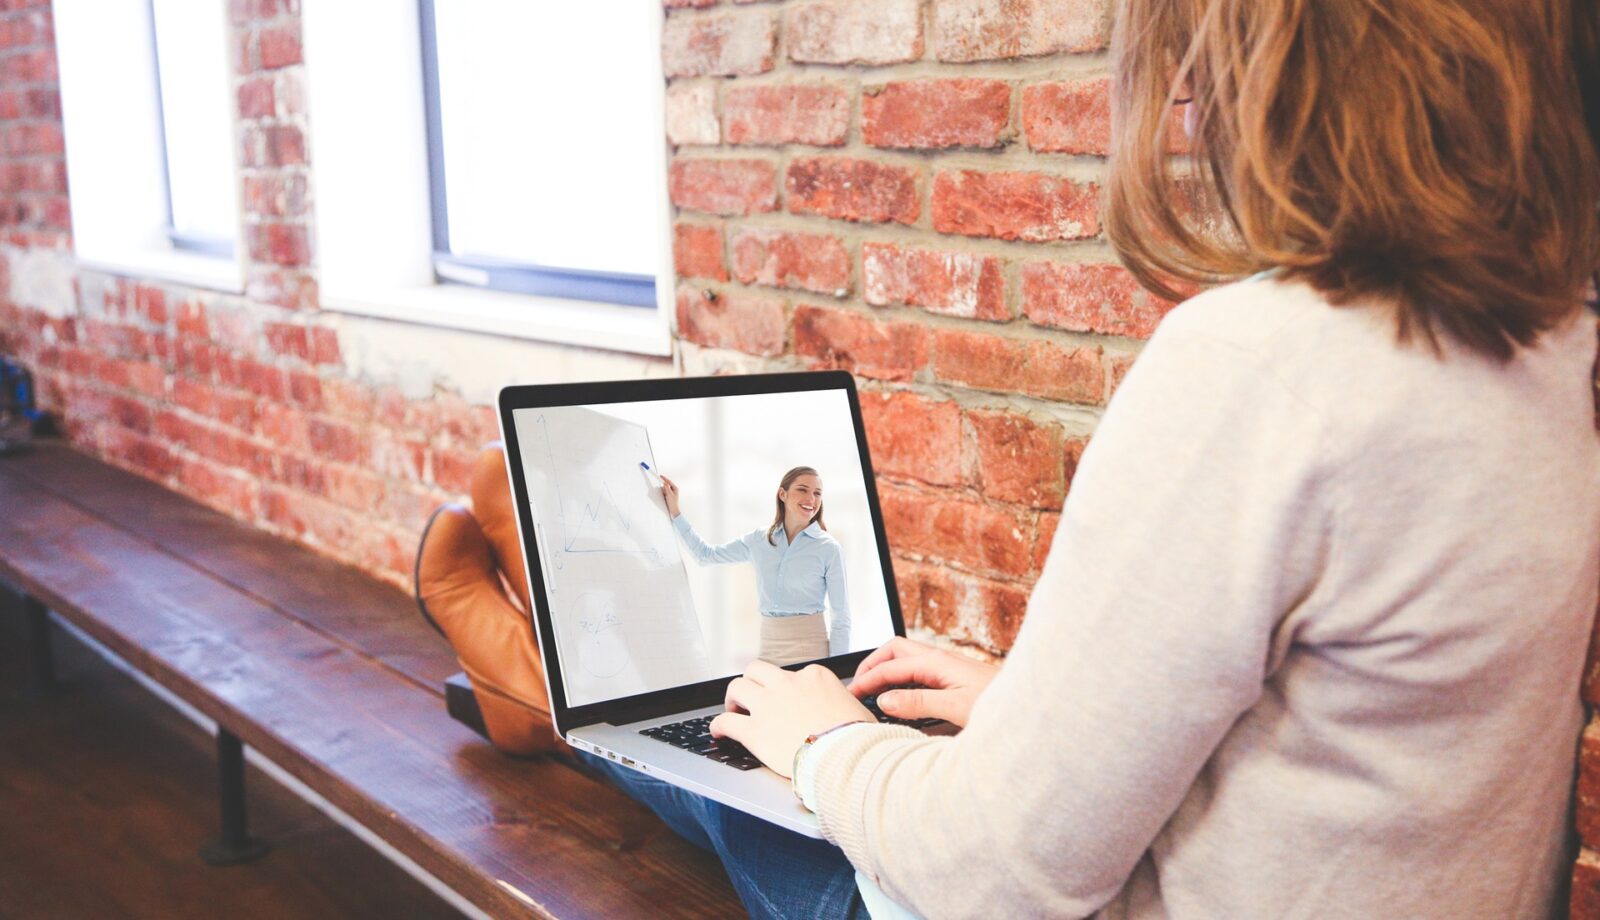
(332, 676)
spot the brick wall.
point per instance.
(906, 189)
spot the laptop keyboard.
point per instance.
(694, 736)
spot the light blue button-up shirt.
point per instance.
(792, 578)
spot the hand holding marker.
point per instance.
(669, 489)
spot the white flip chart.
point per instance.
(619, 596)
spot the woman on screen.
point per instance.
(798, 565)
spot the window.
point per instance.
(148, 111)
(541, 169)
(553, 221)
(196, 126)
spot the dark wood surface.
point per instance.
(105, 792)
(333, 676)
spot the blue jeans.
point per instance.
(777, 873)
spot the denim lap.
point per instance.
(777, 873)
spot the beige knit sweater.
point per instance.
(1307, 644)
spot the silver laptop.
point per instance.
(643, 620)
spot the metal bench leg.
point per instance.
(235, 845)
(41, 663)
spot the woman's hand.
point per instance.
(771, 710)
(949, 683)
(669, 491)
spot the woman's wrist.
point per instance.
(802, 779)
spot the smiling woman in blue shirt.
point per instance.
(798, 564)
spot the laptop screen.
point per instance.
(641, 600)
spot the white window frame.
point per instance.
(116, 161)
(374, 230)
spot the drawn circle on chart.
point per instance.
(601, 652)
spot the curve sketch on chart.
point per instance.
(618, 591)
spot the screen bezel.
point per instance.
(705, 693)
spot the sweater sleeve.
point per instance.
(1196, 520)
(703, 552)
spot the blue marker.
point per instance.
(654, 476)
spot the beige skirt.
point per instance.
(787, 640)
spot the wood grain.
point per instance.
(315, 666)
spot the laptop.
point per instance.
(642, 619)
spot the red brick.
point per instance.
(324, 346)
(687, 4)
(780, 258)
(336, 441)
(1090, 298)
(697, 252)
(933, 114)
(850, 189)
(256, 99)
(1585, 901)
(817, 114)
(728, 43)
(691, 114)
(143, 454)
(279, 47)
(244, 60)
(243, 12)
(287, 340)
(262, 379)
(953, 283)
(42, 102)
(1587, 802)
(274, 145)
(885, 350)
(1068, 117)
(1044, 537)
(1042, 368)
(150, 302)
(913, 437)
(1074, 116)
(1029, 206)
(940, 527)
(1002, 608)
(1117, 367)
(723, 186)
(236, 410)
(146, 378)
(196, 358)
(745, 322)
(305, 390)
(280, 244)
(218, 487)
(927, 596)
(985, 30)
(1018, 459)
(1074, 454)
(276, 195)
(854, 31)
(287, 429)
(131, 414)
(191, 320)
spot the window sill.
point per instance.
(225, 275)
(635, 330)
